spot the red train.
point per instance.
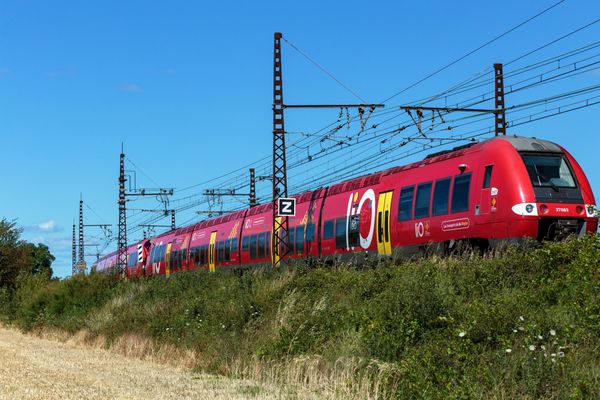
(502, 189)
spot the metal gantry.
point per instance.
(500, 126)
(123, 193)
(252, 194)
(498, 110)
(74, 266)
(279, 245)
(122, 236)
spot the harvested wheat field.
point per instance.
(35, 368)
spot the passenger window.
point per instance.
(253, 246)
(300, 239)
(227, 255)
(310, 232)
(328, 230)
(460, 193)
(245, 242)
(487, 177)
(234, 244)
(405, 203)
(441, 194)
(268, 245)
(340, 233)
(221, 251)
(261, 245)
(291, 240)
(422, 201)
(354, 230)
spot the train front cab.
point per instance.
(553, 192)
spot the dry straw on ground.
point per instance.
(39, 368)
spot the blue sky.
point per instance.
(187, 86)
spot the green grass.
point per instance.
(521, 324)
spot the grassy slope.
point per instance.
(524, 324)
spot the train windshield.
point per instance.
(548, 171)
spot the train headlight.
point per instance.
(525, 209)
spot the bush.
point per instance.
(520, 324)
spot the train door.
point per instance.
(211, 251)
(384, 205)
(487, 205)
(168, 260)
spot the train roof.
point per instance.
(531, 144)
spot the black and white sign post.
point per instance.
(286, 207)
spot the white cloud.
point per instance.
(48, 226)
(131, 88)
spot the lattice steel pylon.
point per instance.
(499, 100)
(122, 237)
(74, 267)
(252, 194)
(81, 245)
(279, 245)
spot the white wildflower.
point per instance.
(521, 328)
(543, 347)
(521, 318)
(531, 347)
(514, 331)
(561, 353)
(508, 350)
(540, 337)
(461, 334)
(552, 332)
(553, 355)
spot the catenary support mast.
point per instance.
(279, 245)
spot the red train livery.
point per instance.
(499, 190)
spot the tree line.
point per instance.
(18, 256)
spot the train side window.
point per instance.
(221, 251)
(300, 239)
(290, 242)
(268, 244)
(422, 201)
(132, 260)
(234, 244)
(310, 232)
(354, 230)
(328, 230)
(227, 250)
(340, 233)
(405, 203)
(487, 177)
(245, 243)
(441, 194)
(205, 254)
(460, 193)
(261, 245)
(253, 246)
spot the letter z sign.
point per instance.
(286, 207)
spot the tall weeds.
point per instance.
(519, 324)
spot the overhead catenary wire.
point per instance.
(330, 133)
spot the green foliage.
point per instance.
(18, 256)
(520, 324)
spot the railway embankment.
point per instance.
(524, 323)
